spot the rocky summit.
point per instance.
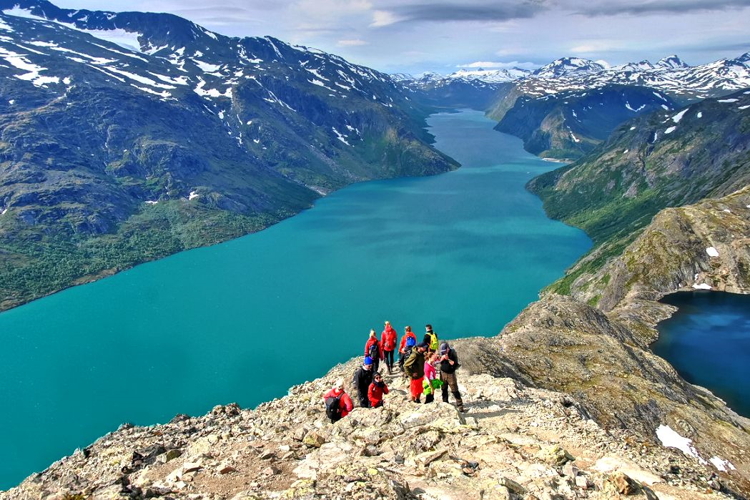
(514, 442)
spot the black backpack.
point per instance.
(374, 353)
(333, 408)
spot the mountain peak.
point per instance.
(672, 62)
(569, 66)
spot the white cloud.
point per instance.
(352, 43)
(382, 18)
(499, 65)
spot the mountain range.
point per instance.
(130, 136)
(566, 108)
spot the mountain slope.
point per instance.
(173, 137)
(665, 159)
(570, 124)
(515, 442)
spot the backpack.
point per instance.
(333, 408)
(373, 352)
(433, 341)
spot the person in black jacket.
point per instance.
(448, 366)
(362, 381)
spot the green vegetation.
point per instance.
(32, 267)
(614, 192)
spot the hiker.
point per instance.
(374, 350)
(388, 343)
(414, 367)
(430, 382)
(338, 402)
(448, 366)
(430, 338)
(362, 381)
(376, 391)
(402, 355)
(407, 350)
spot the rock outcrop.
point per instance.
(594, 344)
(515, 442)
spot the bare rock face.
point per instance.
(515, 442)
(594, 345)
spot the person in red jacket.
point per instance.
(402, 347)
(374, 350)
(345, 402)
(376, 391)
(388, 342)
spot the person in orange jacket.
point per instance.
(388, 342)
(376, 391)
(374, 350)
(402, 347)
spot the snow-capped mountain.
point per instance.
(568, 67)
(161, 135)
(670, 74)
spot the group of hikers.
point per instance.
(427, 366)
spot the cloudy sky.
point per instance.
(416, 35)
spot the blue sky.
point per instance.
(415, 36)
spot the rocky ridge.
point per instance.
(515, 442)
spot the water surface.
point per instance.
(708, 343)
(245, 320)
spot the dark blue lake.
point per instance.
(245, 320)
(708, 343)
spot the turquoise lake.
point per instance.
(245, 320)
(708, 343)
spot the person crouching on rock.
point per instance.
(414, 367)
(376, 391)
(362, 381)
(338, 402)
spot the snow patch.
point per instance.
(193, 195)
(671, 439)
(728, 100)
(712, 252)
(721, 464)
(576, 139)
(676, 118)
(340, 136)
(627, 105)
(632, 128)
(743, 108)
(702, 286)
(670, 130)
(665, 107)
(150, 202)
(32, 75)
(139, 78)
(699, 115)
(207, 67)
